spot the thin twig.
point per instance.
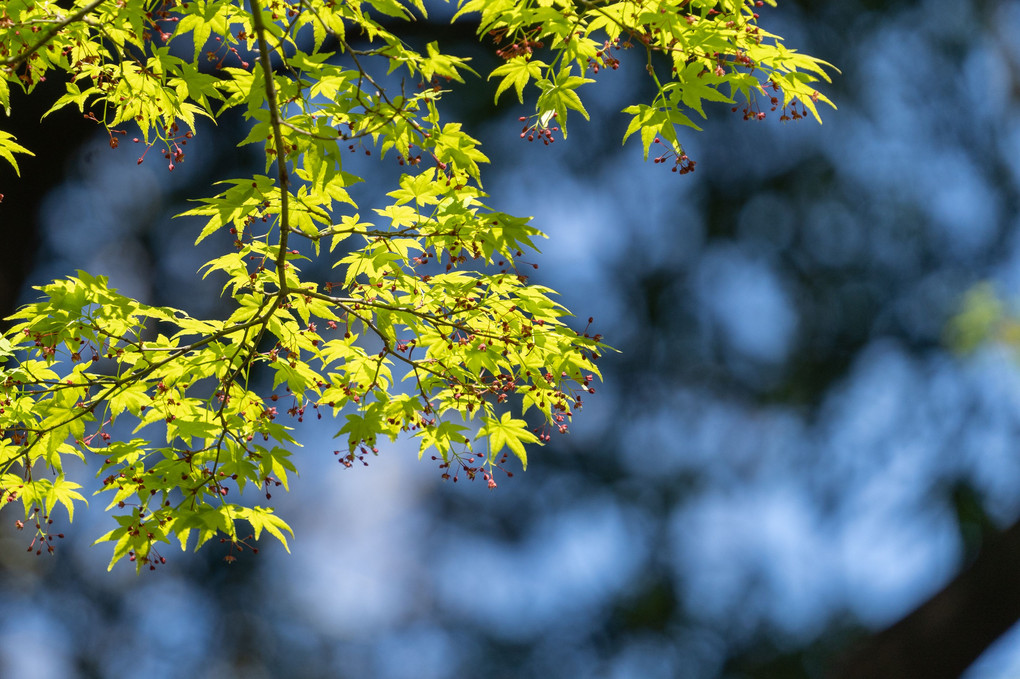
(16, 61)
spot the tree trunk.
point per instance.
(947, 633)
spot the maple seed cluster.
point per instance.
(604, 57)
(524, 46)
(162, 16)
(220, 55)
(152, 561)
(238, 545)
(42, 540)
(681, 163)
(175, 143)
(538, 131)
(471, 469)
(349, 459)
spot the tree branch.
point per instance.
(16, 61)
(276, 122)
(947, 633)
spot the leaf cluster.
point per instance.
(429, 328)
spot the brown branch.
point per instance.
(276, 122)
(347, 304)
(16, 61)
(122, 383)
(945, 635)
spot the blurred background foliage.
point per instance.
(789, 452)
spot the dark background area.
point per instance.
(786, 456)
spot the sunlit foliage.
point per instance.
(429, 327)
